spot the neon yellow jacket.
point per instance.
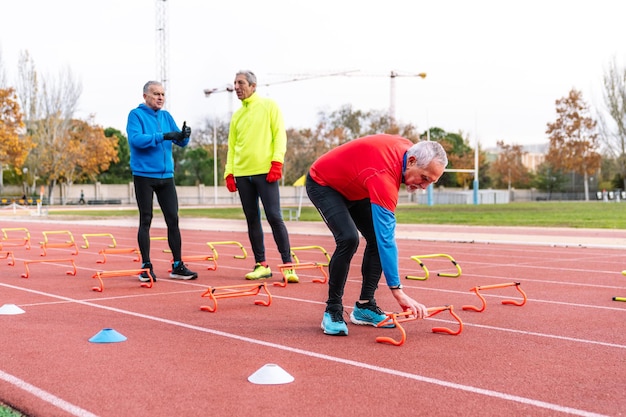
(256, 137)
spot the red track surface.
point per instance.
(563, 353)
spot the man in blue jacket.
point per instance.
(151, 132)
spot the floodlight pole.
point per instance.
(215, 160)
(475, 187)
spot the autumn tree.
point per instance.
(613, 131)
(508, 170)
(88, 152)
(574, 139)
(119, 171)
(13, 147)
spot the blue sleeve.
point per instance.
(385, 229)
(135, 128)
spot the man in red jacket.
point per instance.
(355, 188)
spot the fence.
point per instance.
(201, 195)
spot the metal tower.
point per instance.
(162, 43)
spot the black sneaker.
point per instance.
(181, 272)
(143, 277)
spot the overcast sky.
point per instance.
(494, 68)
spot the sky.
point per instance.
(494, 68)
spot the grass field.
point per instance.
(591, 214)
(6, 411)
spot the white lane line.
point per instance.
(362, 365)
(46, 396)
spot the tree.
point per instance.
(196, 167)
(88, 152)
(574, 139)
(614, 136)
(119, 171)
(549, 179)
(213, 138)
(508, 170)
(460, 156)
(48, 118)
(13, 147)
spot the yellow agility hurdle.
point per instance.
(113, 243)
(212, 245)
(166, 250)
(623, 299)
(321, 249)
(25, 240)
(66, 244)
(418, 259)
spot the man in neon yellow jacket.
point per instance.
(257, 142)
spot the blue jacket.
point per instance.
(150, 155)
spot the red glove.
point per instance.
(276, 171)
(230, 183)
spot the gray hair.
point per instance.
(250, 77)
(146, 87)
(427, 151)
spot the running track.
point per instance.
(563, 353)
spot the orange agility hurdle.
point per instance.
(25, 240)
(192, 258)
(232, 291)
(477, 290)
(122, 273)
(27, 262)
(113, 243)
(67, 244)
(6, 255)
(305, 265)
(397, 318)
(418, 259)
(111, 251)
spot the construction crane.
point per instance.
(392, 87)
(162, 43)
(229, 88)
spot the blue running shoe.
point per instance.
(369, 314)
(333, 323)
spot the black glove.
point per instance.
(173, 136)
(184, 134)
(186, 130)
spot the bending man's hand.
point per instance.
(409, 304)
